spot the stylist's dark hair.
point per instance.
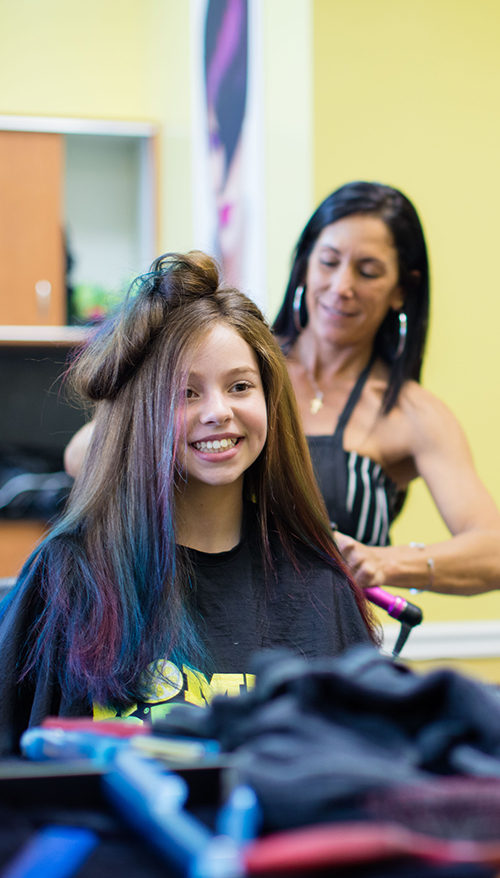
(402, 220)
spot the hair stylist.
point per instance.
(353, 326)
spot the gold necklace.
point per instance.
(317, 400)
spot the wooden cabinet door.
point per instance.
(17, 541)
(32, 253)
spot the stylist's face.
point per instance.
(352, 280)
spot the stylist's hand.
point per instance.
(365, 562)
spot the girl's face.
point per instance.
(352, 280)
(224, 410)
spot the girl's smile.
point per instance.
(216, 445)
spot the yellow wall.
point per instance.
(485, 670)
(408, 93)
(288, 77)
(107, 59)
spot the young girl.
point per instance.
(195, 533)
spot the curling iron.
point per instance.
(405, 612)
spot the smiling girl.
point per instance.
(195, 533)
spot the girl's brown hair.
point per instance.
(117, 587)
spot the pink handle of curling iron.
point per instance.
(391, 603)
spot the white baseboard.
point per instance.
(436, 640)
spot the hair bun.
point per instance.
(194, 273)
(120, 346)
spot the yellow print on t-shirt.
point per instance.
(165, 684)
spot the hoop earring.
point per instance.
(403, 328)
(297, 305)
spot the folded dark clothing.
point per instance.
(315, 737)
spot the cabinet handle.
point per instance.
(43, 289)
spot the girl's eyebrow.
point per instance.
(236, 370)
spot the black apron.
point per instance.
(330, 464)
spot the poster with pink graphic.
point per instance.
(228, 141)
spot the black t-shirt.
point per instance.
(306, 607)
(238, 610)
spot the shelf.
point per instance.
(50, 335)
(67, 125)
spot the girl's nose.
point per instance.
(216, 409)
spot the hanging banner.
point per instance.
(228, 164)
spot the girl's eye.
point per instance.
(241, 386)
(189, 393)
(328, 263)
